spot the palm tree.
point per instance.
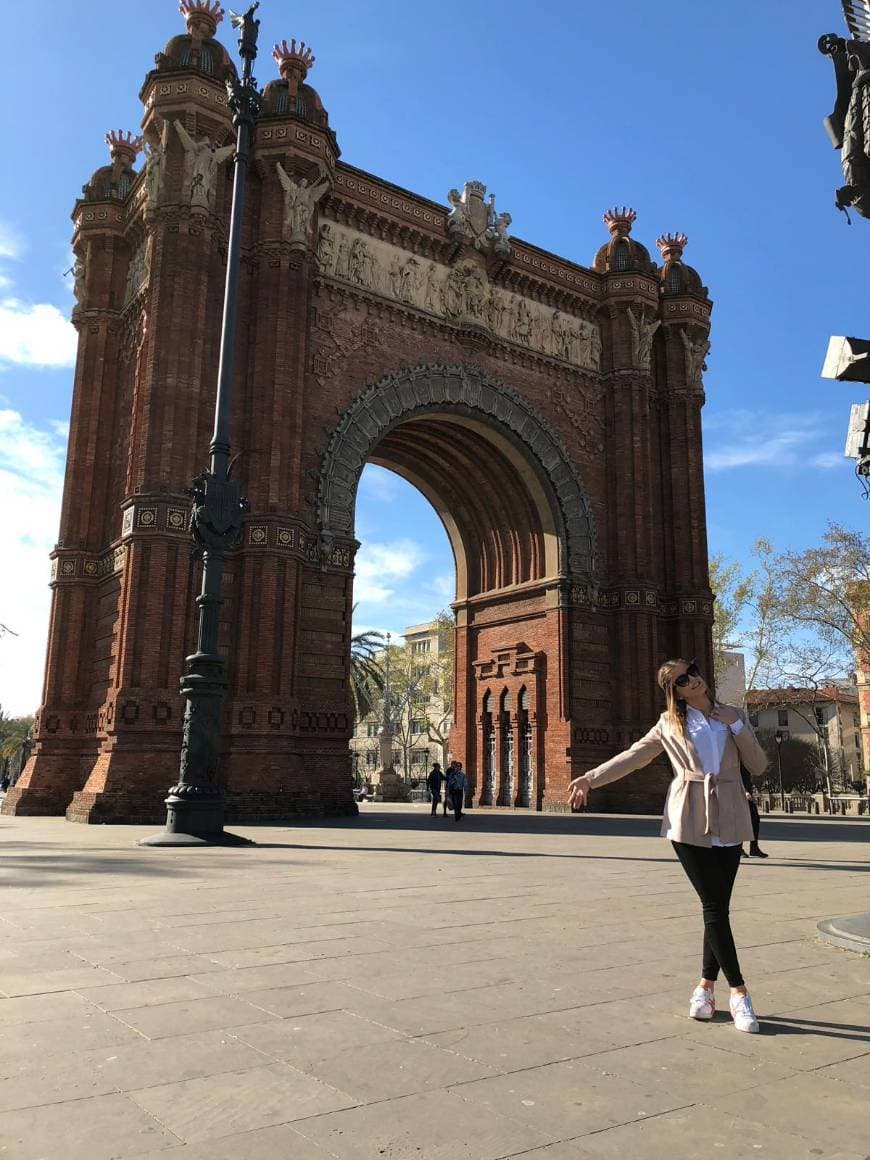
(366, 675)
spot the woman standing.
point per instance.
(706, 813)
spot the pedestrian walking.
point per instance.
(457, 784)
(434, 781)
(446, 789)
(755, 851)
(706, 813)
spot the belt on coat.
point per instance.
(711, 791)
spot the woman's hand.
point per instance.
(578, 791)
(725, 714)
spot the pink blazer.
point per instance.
(698, 805)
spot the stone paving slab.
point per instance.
(512, 987)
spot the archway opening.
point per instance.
(520, 532)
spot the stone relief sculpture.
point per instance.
(521, 323)
(300, 199)
(461, 292)
(453, 302)
(154, 161)
(476, 292)
(431, 297)
(474, 222)
(201, 161)
(139, 269)
(594, 346)
(342, 258)
(78, 271)
(695, 353)
(326, 248)
(642, 333)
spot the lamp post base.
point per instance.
(195, 823)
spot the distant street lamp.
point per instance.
(779, 737)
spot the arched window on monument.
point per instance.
(622, 256)
(487, 796)
(674, 281)
(524, 792)
(506, 794)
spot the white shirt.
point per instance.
(709, 737)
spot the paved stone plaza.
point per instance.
(511, 986)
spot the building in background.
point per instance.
(424, 719)
(828, 719)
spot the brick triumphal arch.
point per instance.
(550, 412)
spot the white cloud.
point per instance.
(31, 480)
(32, 334)
(829, 459)
(381, 567)
(35, 334)
(766, 440)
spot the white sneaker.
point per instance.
(741, 1012)
(702, 1005)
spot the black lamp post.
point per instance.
(779, 738)
(195, 806)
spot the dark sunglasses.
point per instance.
(683, 680)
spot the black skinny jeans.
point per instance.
(712, 872)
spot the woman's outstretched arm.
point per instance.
(637, 756)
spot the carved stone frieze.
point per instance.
(139, 269)
(461, 293)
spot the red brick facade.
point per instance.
(550, 412)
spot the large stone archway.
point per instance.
(519, 525)
(374, 325)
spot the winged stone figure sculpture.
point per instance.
(300, 198)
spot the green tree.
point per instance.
(733, 592)
(14, 732)
(366, 672)
(825, 598)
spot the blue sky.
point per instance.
(704, 117)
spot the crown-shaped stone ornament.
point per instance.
(474, 221)
(201, 16)
(671, 246)
(619, 221)
(298, 56)
(123, 145)
(293, 61)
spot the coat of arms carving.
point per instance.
(474, 220)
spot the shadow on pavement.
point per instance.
(583, 823)
(785, 1026)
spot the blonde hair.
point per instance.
(676, 707)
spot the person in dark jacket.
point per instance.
(457, 784)
(434, 781)
(447, 787)
(755, 850)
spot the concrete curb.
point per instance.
(852, 932)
